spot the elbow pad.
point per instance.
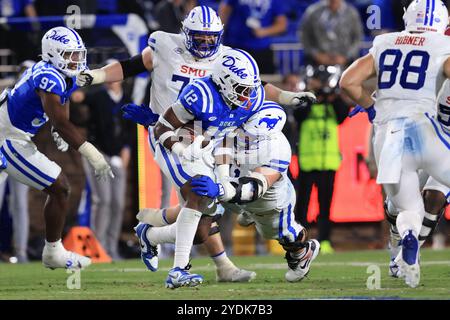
(133, 66)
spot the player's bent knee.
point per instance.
(434, 201)
(60, 188)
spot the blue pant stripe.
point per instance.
(280, 226)
(180, 168)
(436, 129)
(27, 164)
(15, 165)
(169, 165)
(290, 227)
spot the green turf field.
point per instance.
(341, 275)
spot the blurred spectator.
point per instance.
(331, 32)
(251, 25)
(24, 44)
(169, 14)
(112, 135)
(318, 147)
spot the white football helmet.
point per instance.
(265, 124)
(203, 30)
(64, 49)
(426, 15)
(236, 74)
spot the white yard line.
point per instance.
(276, 266)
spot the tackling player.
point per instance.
(174, 61)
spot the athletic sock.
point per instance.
(187, 223)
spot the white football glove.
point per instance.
(289, 98)
(90, 77)
(101, 168)
(195, 152)
(61, 144)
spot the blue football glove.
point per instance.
(205, 186)
(3, 162)
(371, 113)
(142, 114)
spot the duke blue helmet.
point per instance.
(237, 76)
(426, 15)
(65, 50)
(203, 30)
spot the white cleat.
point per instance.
(234, 275)
(299, 268)
(64, 259)
(408, 259)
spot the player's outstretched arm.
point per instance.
(59, 118)
(117, 71)
(288, 98)
(353, 78)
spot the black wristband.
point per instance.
(133, 66)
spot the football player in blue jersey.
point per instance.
(175, 60)
(218, 104)
(41, 95)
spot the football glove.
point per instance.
(142, 114)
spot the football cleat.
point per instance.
(182, 278)
(244, 219)
(64, 259)
(234, 275)
(408, 259)
(394, 250)
(299, 268)
(149, 252)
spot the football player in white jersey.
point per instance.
(41, 95)
(264, 194)
(174, 61)
(411, 66)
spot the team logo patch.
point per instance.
(270, 122)
(212, 118)
(178, 50)
(58, 37)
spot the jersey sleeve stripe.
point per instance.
(54, 74)
(276, 168)
(280, 162)
(202, 91)
(426, 12)
(432, 11)
(210, 98)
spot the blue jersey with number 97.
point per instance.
(204, 102)
(24, 104)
